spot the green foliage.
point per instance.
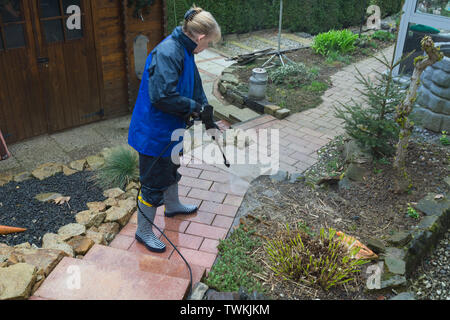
(140, 5)
(295, 75)
(312, 16)
(388, 7)
(120, 168)
(372, 122)
(235, 266)
(321, 259)
(412, 212)
(340, 41)
(317, 86)
(383, 36)
(444, 139)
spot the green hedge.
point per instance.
(389, 7)
(240, 16)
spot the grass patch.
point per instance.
(235, 266)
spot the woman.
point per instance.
(170, 93)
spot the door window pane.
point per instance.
(50, 8)
(14, 36)
(77, 32)
(68, 3)
(1, 40)
(10, 11)
(53, 31)
(436, 7)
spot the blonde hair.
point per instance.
(198, 21)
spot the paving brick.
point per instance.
(171, 224)
(140, 248)
(103, 282)
(189, 200)
(207, 195)
(182, 240)
(214, 176)
(229, 188)
(206, 231)
(122, 242)
(183, 190)
(304, 158)
(200, 217)
(190, 172)
(233, 200)
(224, 209)
(210, 245)
(195, 183)
(200, 258)
(129, 230)
(222, 222)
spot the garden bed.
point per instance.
(366, 210)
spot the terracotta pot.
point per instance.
(8, 230)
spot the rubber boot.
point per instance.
(172, 203)
(144, 232)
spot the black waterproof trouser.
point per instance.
(162, 175)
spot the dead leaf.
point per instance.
(62, 200)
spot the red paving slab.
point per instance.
(75, 279)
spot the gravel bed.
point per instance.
(18, 207)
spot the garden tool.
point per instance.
(8, 230)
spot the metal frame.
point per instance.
(411, 16)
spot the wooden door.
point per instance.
(22, 113)
(67, 63)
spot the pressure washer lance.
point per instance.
(207, 118)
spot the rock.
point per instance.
(296, 177)
(430, 206)
(271, 109)
(279, 176)
(395, 252)
(97, 206)
(90, 218)
(97, 237)
(345, 183)
(132, 185)
(5, 178)
(376, 245)
(113, 193)
(404, 296)
(43, 259)
(393, 282)
(17, 281)
(230, 78)
(198, 292)
(68, 171)
(56, 242)
(78, 165)
(120, 215)
(71, 230)
(25, 245)
(23, 176)
(111, 202)
(109, 230)
(400, 239)
(282, 113)
(395, 265)
(356, 172)
(44, 197)
(215, 295)
(80, 244)
(129, 204)
(95, 162)
(47, 170)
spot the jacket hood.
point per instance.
(181, 37)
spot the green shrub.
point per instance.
(342, 42)
(389, 7)
(383, 35)
(121, 167)
(293, 74)
(321, 260)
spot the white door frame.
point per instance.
(410, 16)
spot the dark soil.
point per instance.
(18, 207)
(368, 209)
(298, 99)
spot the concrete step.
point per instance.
(76, 279)
(233, 114)
(142, 262)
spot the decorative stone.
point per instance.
(111, 202)
(43, 259)
(95, 162)
(68, 171)
(44, 197)
(215, 295)
(404, 296)
(395, 252)
(430, 206)
(5, 178)
(109, 230)
(230, 78)
(56, 242)
(279, 176)
(198, 292)
(120, 215)
(97, 206)
(78, 165)
(394, 265)
(282, 113)
(271, 109)
(80, 244)
(47, 170)
(17, 281)
(376, 246)
(97, 237)
(132, 185)
(393, 282)
(90, 218)
(113, 193)
(23, 176)
(71, 230)
(400, 238)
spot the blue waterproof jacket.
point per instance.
(170, 90)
